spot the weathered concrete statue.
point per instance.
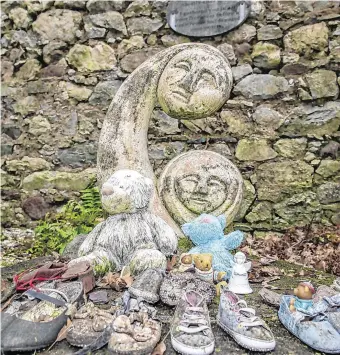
(132, 235)
(190, 81)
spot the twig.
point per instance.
(166, 335)
(310, 224)
(7, 303)
(206, 144)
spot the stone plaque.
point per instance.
(206, 18)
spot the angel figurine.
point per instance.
(238, 282)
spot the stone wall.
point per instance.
(62, 62)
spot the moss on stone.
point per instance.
(184, 245)
(291, 148)
(266, 55)
(87, 59)
(307, 39)
(322, 83)
(59, 180)
(255, 150)
(328, 168)
(261, 212)
(275, 180)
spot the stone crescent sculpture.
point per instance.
(201, 181)
(190, 81)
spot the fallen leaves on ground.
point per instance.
(114, 281)
(313, 246)
(260, 273)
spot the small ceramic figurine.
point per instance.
(203, 266)
(303, 295)
(185, 263)
(206, 232)
(239, 277)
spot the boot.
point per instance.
(147, 285)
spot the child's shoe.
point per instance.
(191, 332)
(240, 321)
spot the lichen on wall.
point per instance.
(63, 61)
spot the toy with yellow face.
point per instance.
(303, 296)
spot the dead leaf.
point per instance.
(125, 271)
(159, 349)
(114, 281)
(270, 297)
(267, 260)
(313, 246)
(170, 263)
(128, 280)
(62, 334)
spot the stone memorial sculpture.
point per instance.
(199, 182)
(190, 81)
(131, 235)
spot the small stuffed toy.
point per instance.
(303, 298)
(185, 263)
(203, 266)
(206, 232)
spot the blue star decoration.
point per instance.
(206, 232)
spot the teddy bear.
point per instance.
(303, 296)
(185, 263)
(131, 235)
(203, 266)
(206, 232)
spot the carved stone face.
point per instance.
(194, 84)
(201, 192)
(199, 182)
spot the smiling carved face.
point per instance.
(195, 85)
(202, 192)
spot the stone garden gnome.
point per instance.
(131, 235)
